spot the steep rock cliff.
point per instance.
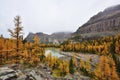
(103, 23)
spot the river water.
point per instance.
(54, 51)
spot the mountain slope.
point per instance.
(61, 36)
(57, 37)
(102, 24)
(42, 36)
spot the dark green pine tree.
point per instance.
(71, 66)
(115, 56)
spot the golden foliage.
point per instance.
(28, 52)
(99, 46)
(106, 69)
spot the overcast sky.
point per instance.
(49, 16)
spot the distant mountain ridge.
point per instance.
(102, 24)
(105, 23)
(54, 38)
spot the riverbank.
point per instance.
(83, 56)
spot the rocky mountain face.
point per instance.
(42, 37)
(104, 23)
(54, 38)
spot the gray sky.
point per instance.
(49, 16)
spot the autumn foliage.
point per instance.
(15, 50)
(106, 69)
(100, 46)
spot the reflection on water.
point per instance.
(53, 51)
